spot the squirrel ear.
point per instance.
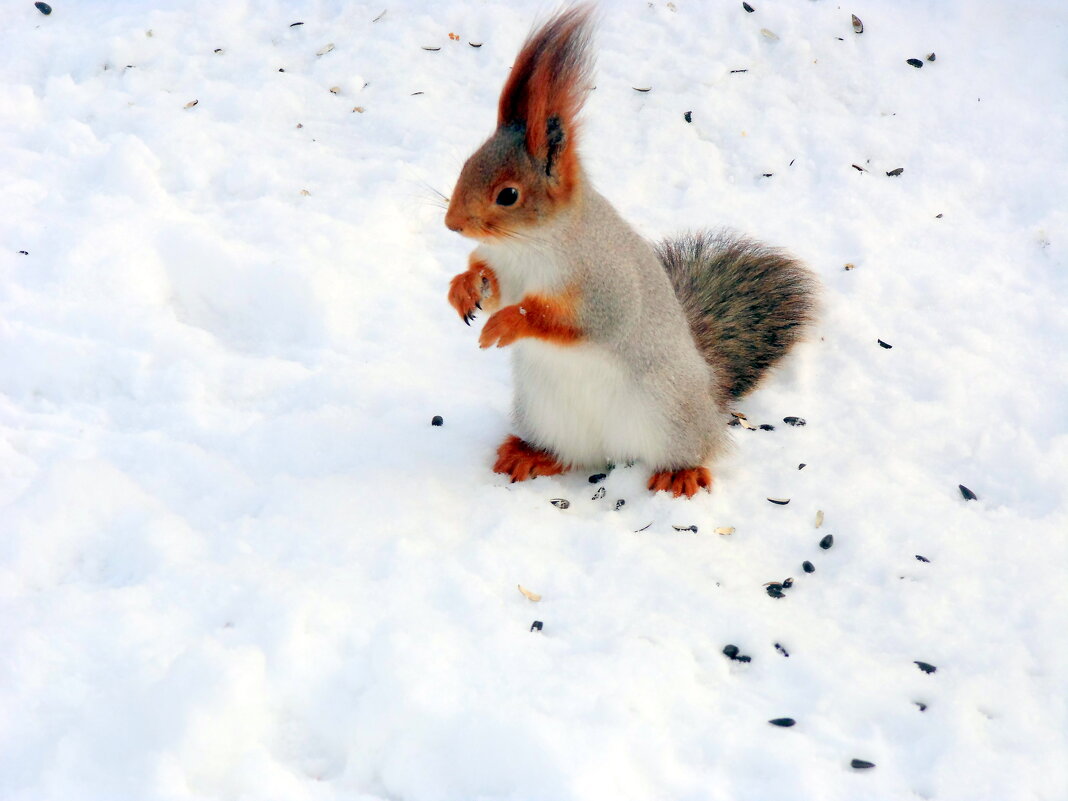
(547, 88)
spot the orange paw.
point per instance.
(504, 328)
(522, 461)
(681, 482)
(468, 289)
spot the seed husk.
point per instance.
(685, 528)
(774, 593)
(896, 172)
(766, 427)
(642, 88)
(475, 44)
(794, 421)
(882, 344)
(191, 103)
(922, 558)
(322, 51)
(725, 530)
(533, 596)
(747, 7)
(931, 56)
(560, 503)
(858, 26)
(780, 501)
(619, 504)
(601, 492)
(426, 47)
(536, 625)
(967, 493)
(926, 667)
(819, 518)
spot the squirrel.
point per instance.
(622, 351)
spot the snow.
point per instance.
(236, 560)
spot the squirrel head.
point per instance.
(528, 171)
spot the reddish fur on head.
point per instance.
(535, 147)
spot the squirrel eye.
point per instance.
(507, 196)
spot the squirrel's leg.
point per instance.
(469, 289)
(521, 461)
(552, 318)
(681, 482)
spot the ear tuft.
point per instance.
(548, 86)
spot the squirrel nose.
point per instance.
(452, 221)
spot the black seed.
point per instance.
(801, 466)
(767, 174)
(295, 24)
(774, 585)
(787, 583)
(688, 116)
(536, 625)
(766, 427)
(730, 651)
(619, 504)
(780, 501)
(882, 344)
(967, 493)
(744, 658)
(827, 542)
(784, 722)
(437, 420)
(218, 49)
(925, 667)
(938, 216)
(560, 503)
(914, 62)
(808, 567)
(930, 56)
(794, 421)
(281, 70)
(597, 478)
(601, 492)
(44, 8)
(860, 764)
(747, 7)
(896, 172)
(922, 558)
(781, 650)
(921, 705)
(774, 593)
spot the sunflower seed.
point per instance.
(882, 344)
(437, 420)
(808, 567)
(787, 583)
(44, 8)
(827, 542)
(915, 62)
(931, 57)
(688, 116)
(601, 492)
(784, 722)
(926, 667)
(730, 651)
(860, 764)
(922, 558)
(794, 421)
(747, 7)
(774, 593)
(536, 625)
(597, 478)
(967, 493)
(685, 528)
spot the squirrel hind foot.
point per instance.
(681, 482)
(521, 461)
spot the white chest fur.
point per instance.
(522, 267)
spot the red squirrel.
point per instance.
(622, 351)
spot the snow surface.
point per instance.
(237, 562)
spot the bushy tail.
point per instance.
(747, 304)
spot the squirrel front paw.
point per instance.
(504, 327)
(465, 294)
